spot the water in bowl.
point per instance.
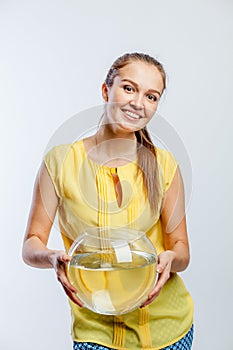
(107, 285)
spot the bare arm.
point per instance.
(174, 224)
(42, 214)
(176, 256)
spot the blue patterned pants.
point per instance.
(184, 343)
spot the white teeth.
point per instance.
(132, 115)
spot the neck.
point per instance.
(107, 132)
(113, 149)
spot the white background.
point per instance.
(54, 57)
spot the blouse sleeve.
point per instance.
(53, 160)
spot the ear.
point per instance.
(105, 92)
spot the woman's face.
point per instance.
(133, 98)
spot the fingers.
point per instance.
(62, 278)
(165, 260)
(164, 269)
(72, 296)
(154, 293)
(70, 290)
(62, 257)
(163, 277)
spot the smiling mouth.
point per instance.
(132, 115)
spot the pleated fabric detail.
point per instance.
(144, 317)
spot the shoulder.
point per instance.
(58, 161)
(60, 152)
(56, 155)
(164, 155)
(167, 165)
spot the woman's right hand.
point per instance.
(59, 260)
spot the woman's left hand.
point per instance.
(163, 269)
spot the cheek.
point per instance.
(151, 109)
(111, 108)
(117, 95)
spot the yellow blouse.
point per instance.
(87, 198)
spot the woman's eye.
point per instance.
(152, 98)
(128, 88)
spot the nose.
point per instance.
(137, 102)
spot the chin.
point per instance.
(129, 128)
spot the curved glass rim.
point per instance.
(132, 235)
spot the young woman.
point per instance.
(117, 177)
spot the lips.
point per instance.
(132, 115)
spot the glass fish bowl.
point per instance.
(113, 269)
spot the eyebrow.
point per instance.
(133, 82)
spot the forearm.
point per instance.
(180, 256)
(36, 254)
